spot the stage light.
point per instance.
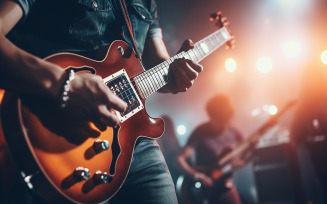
(181, 129)
(272, 110)
(255, 112)
(230, 65)
(292, 49)
(198, 185)
(323, 57)
(264, 65)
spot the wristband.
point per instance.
(64, 94)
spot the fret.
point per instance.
(146, 85)
(158, 79)
(140, 85)
(194, 55)
(163, 74)
(211, 40)
(153, 81)
(187, 55)
(148, 77)
(199, 50)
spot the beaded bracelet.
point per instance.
(63, 97)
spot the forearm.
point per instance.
(185, 167)
(22, 72)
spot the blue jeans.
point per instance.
(149, 180)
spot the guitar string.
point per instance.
(147, 78)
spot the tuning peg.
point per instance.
(215, 16)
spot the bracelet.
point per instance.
(63, 97)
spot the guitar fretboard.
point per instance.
(153, 79)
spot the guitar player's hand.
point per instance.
(184, 72)
(204, 179)
(92, 100)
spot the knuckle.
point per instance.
(188, 85)
(196, 74)
(200, 68)
(97, 77)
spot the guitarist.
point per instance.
(33, 29)
(209, 142)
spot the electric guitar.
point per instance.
(192, 191)
(68, 160)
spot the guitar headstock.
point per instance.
(223, 22)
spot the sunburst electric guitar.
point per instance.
(72, 161)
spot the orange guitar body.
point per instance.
(48, 147)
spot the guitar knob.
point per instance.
(100, 177)
(81, 173)
(100, 145)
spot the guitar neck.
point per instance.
(155, 78)
(255, 136)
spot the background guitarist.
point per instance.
(209, 142)
(31, 30)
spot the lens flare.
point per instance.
(181, 129)
(323, 57)
(230, 65)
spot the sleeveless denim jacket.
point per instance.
(82, 26)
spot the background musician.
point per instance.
(208, 143)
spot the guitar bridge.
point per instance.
(121, 85)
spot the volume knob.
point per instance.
(81, 173)
(100, 145)
(100, 177)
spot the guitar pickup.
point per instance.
(120, 84)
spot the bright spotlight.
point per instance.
(264, 65)
(230, 65)
(323, 57)
(272, 110)
(292, 49)
(181, 129)
(198, 185)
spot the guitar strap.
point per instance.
(129, 25)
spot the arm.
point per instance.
(182, 158)
(20, 71)
(183, 72)
(23, 73)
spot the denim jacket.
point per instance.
(82, 26)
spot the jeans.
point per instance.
(149, 180)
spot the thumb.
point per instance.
(187, 45)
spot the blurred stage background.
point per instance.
(280, 52)
(288, 35)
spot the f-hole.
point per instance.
(83, 69)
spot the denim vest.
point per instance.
(82, 26)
